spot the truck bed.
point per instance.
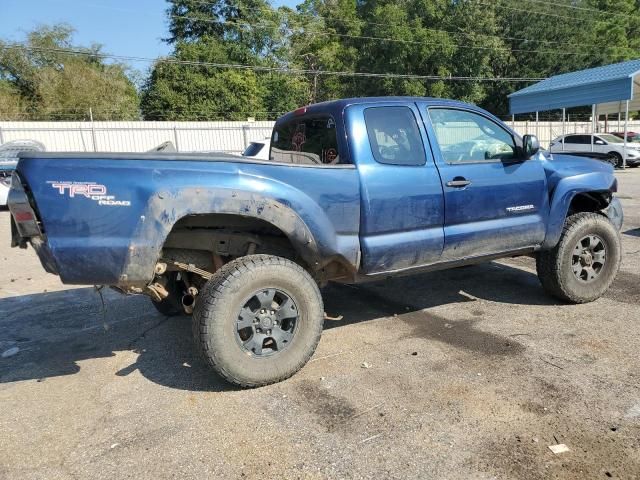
(105, 216)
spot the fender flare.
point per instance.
(158, 220)
(564, 193)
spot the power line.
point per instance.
(273, 24)
(576, 7)
(545, 14)
(496, 3)
(283, 69)
(365, 22)
(385, 39)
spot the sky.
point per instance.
(124, 27)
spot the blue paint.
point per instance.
(402, 206)
(376, 218)
(568, 176)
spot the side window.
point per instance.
(572, 139)
(308, 140)
(467, 137)
(394, 136)
(584, 139)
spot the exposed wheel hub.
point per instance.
(586, 259)
(589, 258)
(267, 322)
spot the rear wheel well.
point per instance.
(209, 241)
(228, 236)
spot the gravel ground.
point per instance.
(470, 373)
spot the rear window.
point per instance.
(611, 138)
(306, 140)
(394, 136)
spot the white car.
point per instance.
(258, 149)
(9, 158)
(5, 183)
(604, 143)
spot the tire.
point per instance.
(616, 159)
(235, 297)
(172, 305)
(570, 275)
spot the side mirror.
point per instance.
(530, 146)
(599, 142)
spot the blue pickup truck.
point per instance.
(354, 190)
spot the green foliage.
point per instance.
(462, 38)
(40, 82)
(225, 31)
(459, 38)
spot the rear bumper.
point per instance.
(25, 225)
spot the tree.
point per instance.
(394, 38)
(41, 81)
(192, 92)
(12, 105)
(246, 32)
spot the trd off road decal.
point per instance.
(91, 190)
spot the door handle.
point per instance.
(458, 182)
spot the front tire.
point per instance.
(258, 320)
(584, 263)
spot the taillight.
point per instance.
(23, 216)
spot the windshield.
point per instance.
(611, 138)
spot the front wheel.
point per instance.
(258, 320)
(584, 263)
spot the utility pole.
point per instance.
(93, 130)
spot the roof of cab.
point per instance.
(337, 106)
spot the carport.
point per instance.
(609, 89)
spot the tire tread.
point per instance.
(549, 262)
(217, 287)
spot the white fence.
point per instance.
(210, 136)
(137, 136)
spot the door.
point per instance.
(494, 201)
(402, 208)
(577, 143)
(600, 145)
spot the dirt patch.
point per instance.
(461, 334)
(332, 412)
(625, 288)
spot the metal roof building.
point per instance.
(607, 87)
